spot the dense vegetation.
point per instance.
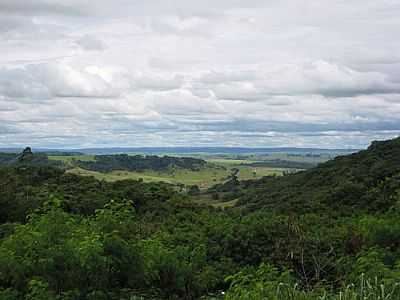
(367, 181)
(332, 232)
(103, 163)
(107, 163)
(27, 158)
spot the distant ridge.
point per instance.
(185, 150)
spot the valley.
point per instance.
(135, 226)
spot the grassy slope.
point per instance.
(204, 178)
(71, 158)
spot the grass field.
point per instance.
(217, 171)
(70, 158)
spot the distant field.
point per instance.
(229, 162)
(70, 158)
(305, 158)
(216, 172)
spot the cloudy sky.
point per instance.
(310, 73)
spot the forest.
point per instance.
(101, 163)
(330, 232)
(107, 163)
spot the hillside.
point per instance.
(331, 232)
(26, 188)
(367, 180)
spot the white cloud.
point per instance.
(318, 77)
(91, 43)
(51, 80)
(154, 82)
(186, 72)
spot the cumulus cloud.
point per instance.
(254, 73)
(156, 83)
(48, 81)
(318, 77)
(184, 103)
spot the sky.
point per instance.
(254, 73)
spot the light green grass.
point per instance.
(246, 172)
(119, 175)
(204, 178)
(217, 171)
(69, 159)
(230, 162)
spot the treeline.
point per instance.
(108, 163)
(26, 188)
(103, 163)
(27, 158)
(8, 158)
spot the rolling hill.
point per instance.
(367, 180)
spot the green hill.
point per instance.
(331, 232)
(367, 180)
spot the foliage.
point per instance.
(27, 158)
(364, 181)
(267, 282)
(107, 163)
(328, 233)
